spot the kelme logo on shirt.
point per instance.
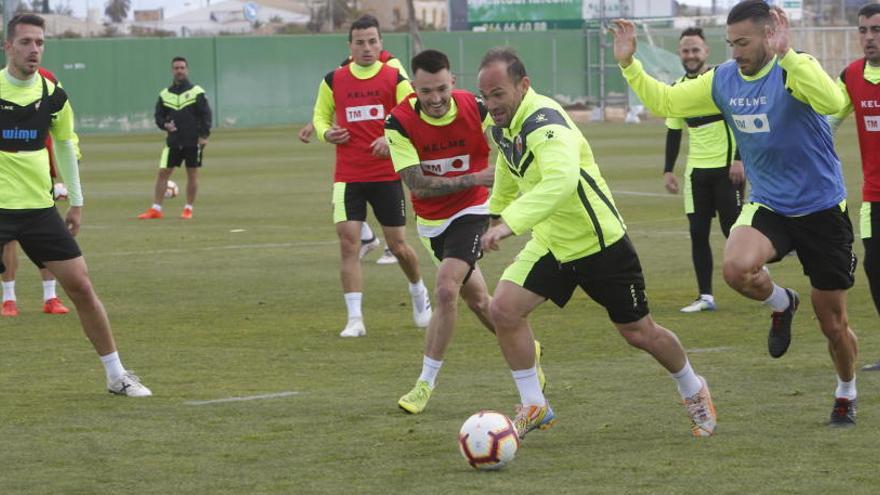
(752, 124)
(444, 166)
(20, 134)
(365, 112)
(872, 123)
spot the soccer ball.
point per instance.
(488, 440)
(171, 189)
(59, 192)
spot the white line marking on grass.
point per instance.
(640, 193)
(277, 395)
(710, 349)
(274, 245)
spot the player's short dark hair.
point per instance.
(869, 9)
(29, 19)
(365, 21)
(693, 31)
(431, 61)
(755, 10)
(179, 59)
(516, 70)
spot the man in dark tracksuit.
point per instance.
(183, 112)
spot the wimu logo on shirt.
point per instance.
(20, 134)
(751, 123)
(460, 163)
(365, 112)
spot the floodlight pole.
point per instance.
(603, 45)
(9, 8)
(330, 11)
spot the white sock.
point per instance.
(430, 368)
(353, 303)
(778, 299)
(708, 297)
(419, 294)
(366, 233)
(529, 388)
(157, 207)
(48, 290)
(846, 390)
(188, 207)
(113, 366)
(688, 382)
(9, 291)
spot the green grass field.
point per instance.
(244, 300)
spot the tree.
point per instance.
(322, 11)
(63, 9)
(413, 27)
(117, 10)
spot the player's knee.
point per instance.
(479, 304)
(736, 273)
(639, 334)
(446, 294)
(79, 289)
(398, 247)
(504, 313)
(833, 321)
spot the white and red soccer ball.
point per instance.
(488, 440)
(59, 191)
(171, 189)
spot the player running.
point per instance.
(774, 99)
(547, 182)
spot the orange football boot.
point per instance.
(150, 214)
(54, 307)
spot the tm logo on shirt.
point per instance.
(365, 112)
(461, 163)
(872, 123)
(753, 123)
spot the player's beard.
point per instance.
(693, 72)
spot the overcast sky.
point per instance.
(173, 7)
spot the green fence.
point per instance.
(253, 81)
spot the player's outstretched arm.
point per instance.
(624, 33)
(689, 99)
(424, 186)
(806, 79)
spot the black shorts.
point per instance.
(823, 241)
(38, 264)
(42, 234)
(386, 198)
(709, 190)
(460, 240)
(612, 277)
(174, 156)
